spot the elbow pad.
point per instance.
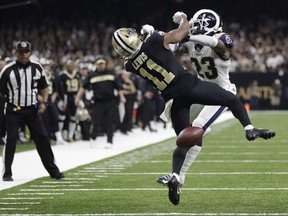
(204, 40)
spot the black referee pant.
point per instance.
(2, 118)
(28, 116)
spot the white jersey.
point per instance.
(209, 65)
(212, 68)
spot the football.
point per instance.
(189, 137)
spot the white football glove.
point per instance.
(178, 16)
(147, 29)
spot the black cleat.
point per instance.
(58, 176)
(174, 189)
(8, 178)
(262, 133)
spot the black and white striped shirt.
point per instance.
(21, 83)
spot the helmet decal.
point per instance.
(206, 21)
(122, 43)
(126, 42)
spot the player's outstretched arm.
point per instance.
(217, 45)
(176, 35)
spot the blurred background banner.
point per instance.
(262, 90)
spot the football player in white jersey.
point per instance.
(209, 50)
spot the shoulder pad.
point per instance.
(226, 39)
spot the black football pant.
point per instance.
(201, 93)
(104, 113)
(38, 133)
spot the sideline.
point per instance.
(27, 165)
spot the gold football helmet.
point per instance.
(126, 42)
(82, 114)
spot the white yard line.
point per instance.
(155, 189)
(192, 173)
(157, 214)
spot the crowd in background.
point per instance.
(70, 30)
(259, 46)
(262, 47)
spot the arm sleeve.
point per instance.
(204, 40)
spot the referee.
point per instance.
(24, 84)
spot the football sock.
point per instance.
(72, 127)
(189, 159)
(248, 127)
(58, 136)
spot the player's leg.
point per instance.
(204, 120)
(180, 120)
(72, 120)
(191, 154)
(211, 94)
(195, 110)
(54, 123)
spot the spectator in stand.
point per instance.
(274, 61)
(255, 95)
(277, 93)
(253, 38)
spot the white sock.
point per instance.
(58, 136)
(72, 127)
(249, 127)
(61, 125)
(189, 159)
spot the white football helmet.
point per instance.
(206, 21)
(126, 42)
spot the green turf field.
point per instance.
(230, 177)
